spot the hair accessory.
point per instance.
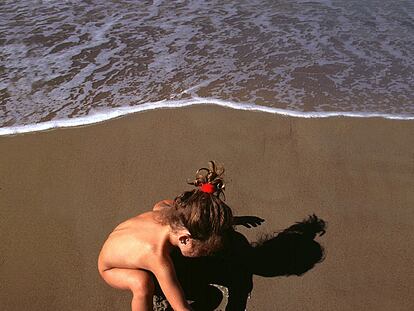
(210, 180)
(208, 188)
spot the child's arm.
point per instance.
(162, 204)
(165, 273)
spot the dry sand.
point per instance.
(63, 191)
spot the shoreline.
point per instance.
(63, 191)
(110, 114)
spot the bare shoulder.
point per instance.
(162, 205)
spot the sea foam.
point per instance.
(97, 117)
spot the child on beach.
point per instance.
(136, 255)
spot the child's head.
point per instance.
(201, 213)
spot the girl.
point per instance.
(136, 255)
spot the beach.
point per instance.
(109, 107)
(62, 192)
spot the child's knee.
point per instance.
(142, 285)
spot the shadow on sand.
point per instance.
(292, 251)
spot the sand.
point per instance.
(62, 191)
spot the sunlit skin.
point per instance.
(139, 249)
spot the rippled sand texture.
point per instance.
(67, 58)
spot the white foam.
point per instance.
(112, 113)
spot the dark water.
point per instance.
(71, 59)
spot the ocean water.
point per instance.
(66, 63)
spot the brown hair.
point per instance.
(203, 214)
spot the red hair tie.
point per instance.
(208, 188)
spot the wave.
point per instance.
(108, 114)
(63, 59)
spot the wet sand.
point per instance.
(62, 191)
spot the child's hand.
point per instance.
(247, 221)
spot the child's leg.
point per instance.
(138, 281)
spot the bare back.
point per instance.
(134, 244)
